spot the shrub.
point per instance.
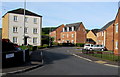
(45, 46)
(80, 44)
(55, 43)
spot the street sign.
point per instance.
(9, 55)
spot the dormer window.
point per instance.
(73, 28)
(70, 29)
(67, 29)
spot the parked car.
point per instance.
(92, 47)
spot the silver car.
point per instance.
(92, 47)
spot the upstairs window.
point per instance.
(15, 18)
(26, 19)
(35, 20)
(35, 30)
(116, 27)
(15, 29)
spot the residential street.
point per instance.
(60, 62)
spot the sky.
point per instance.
(92, 14)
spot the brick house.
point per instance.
(117, 34)
(13, 27)
(92, 36)
(105, 35)
(73, 33)
(56, 33)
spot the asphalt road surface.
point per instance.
(59, 62)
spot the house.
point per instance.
(105, 35)
(13, 27)
(92, 36)
(73, 33)
(117, 34)
(56, 33)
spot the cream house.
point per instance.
(14, 30)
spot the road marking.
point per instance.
(111, 65)
(82, 57)
(100, 61)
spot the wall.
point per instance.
(81, 34)
(30, 25)
(5, 23)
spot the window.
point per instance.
(15, 18)
(63, 35)
(35, 40)
(72, 41)
(35, 30)
(15, 29)
(14, 39)
(67, 35)
(102, 33)
(26, 30)
(116, 45)
(116, 27)
(26, 19)
(72, 35)
(35, 20)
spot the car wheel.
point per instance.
(102, 49)
(90, 49)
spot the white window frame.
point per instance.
(15, 18)
(116, 45)
(26, 30)
(72, 35)
(15, 39)
(35, 40)
(116, 27)
(35, 20)
(15, 29)
(26, 19)
(35, 31)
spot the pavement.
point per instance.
(36, 60)
(60, 61)
(76, 53)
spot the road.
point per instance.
(60, 62)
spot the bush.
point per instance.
(80, 44)
(39, 47)
(54, 43)
(45, 46)
(30, 47)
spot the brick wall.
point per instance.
(100, 38)
(109, 38)
(115, 35)
(81, 34)
(65, 36)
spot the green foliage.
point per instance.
(30, 47)
(47, 30)
(54, 43)
(80, 44)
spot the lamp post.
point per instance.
(24, 20)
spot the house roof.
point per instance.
(95, 31)
(76, 25)
(107, 25)
(21, 11)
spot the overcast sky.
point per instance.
(92, 14)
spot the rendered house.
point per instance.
(105, 36)
(92, 36)
(13, 27)
(56, 33)
(73, 33)
(117, 33)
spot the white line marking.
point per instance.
(82, 57)
(111, 65)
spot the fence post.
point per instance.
(23, 55)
